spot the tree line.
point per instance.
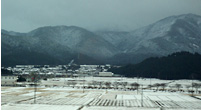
(179, 65)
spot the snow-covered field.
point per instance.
(58, 96)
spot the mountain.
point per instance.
(172, 34)
(169, 35)
(116, 38)
(60, 44)
(65, 43)
(23, 50)
(76, 39)
(180, 65)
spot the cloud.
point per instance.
(26, 15)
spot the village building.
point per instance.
(8, 80)
(106, 74)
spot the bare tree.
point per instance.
(121, 85)
(196, 86)
(90, 85)
(35, 77)
(68, 83)
(108, 85)
(73, 83)
(187, 87)
(116, 85)
(124, 84)
(178, 86)
(135, 86)
(163, 85)
(150, 86)
(94, 83)
(157, 85)
(100, 84)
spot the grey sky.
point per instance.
(26, 15)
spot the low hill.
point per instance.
(180, 65)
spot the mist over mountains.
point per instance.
(61, 44)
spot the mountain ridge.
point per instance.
(166, 36)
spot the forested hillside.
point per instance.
(180, 65)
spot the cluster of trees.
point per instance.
(6, 72)
(106, 85)
(21, 79)
(114, 85)
(157, 85)
(191, 88)
(180, 65)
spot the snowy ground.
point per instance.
(57, 96)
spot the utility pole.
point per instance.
(83, 85)
(35, 79)
(35, 83)
(150, 80)
(142, 97)
(192, 84)
(35, 86)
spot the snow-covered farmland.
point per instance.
(57, 94)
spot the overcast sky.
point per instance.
(26, 15)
